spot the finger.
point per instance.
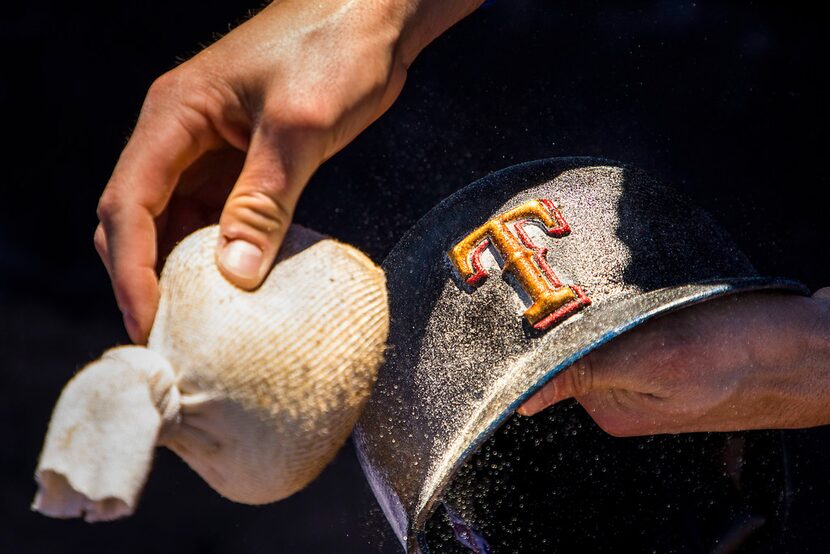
(258, 212)
(634, 362)
(100, 241)
(577, 380)
(132, 236)
(162, 145)
(614, 366)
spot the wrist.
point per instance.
(820, 332)
(816, 349)
(805, 385)
(404, 26)
(422, 21)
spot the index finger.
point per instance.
(166, 140)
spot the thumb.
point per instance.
(577, 380)
(257, 214)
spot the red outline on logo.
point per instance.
(562, 229)
(480, 274)
(540, 257)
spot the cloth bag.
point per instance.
(256, 391)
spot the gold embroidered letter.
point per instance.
(553, 301)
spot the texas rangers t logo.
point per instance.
(553, 301)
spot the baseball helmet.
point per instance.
(496, 290)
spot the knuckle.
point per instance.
(191, 99)
(163, 86)
(581, 376)
(206, 96)
(257, 211)
(679, 352)
(99, 240)
(108, 205)
(675, 342)
(671, 355)
(302, 114)
(309, 127)
(189, 91)
(546, 394)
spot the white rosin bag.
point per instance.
(256, 391)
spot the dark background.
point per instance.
(727, 101)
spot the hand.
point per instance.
(250, 119)
(748, 361)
